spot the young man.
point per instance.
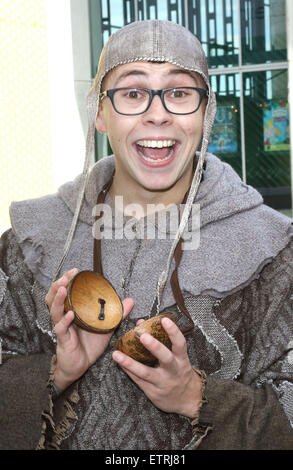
(225, 385)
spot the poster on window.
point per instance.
(276, 125)
(224, 134)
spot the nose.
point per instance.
(156, 114)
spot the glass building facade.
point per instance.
(246, 46)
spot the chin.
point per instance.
(157, 186)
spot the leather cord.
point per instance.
(97, 261)
(176, 290)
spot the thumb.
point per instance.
(127, 306)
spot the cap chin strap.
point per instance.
(92, 109)
(184, 219)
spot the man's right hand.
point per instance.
(77, 349)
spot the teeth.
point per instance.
(156, 143)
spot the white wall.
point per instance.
(68, 139)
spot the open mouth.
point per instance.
(156, 151)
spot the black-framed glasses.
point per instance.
(131, 101)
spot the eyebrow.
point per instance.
(144, 74)
(186, 72)
(129, 74)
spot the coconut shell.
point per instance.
(130, 343)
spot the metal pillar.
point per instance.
(242, 126)
(289, 21)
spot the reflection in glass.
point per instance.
(225, 138)
(267, 135)
(214, 22)
(162, 10)
(263, 27)
(115, 14)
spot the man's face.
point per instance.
(153, 151)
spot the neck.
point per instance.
(143, 197)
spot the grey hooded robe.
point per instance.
(237, 287)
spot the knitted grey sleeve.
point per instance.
(21, 303)
(256, 410)
(26, 353)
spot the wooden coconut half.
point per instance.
(94, 301)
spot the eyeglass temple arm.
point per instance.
(103, 94)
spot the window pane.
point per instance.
(115, 14)
(263, 29)
(267, 135)
(215, 23)
(225, 138)
(172, 10)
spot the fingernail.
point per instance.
(117, 356)
(167, 321)
(146, 338)
(60, 292)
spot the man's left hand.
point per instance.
(173, 386)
